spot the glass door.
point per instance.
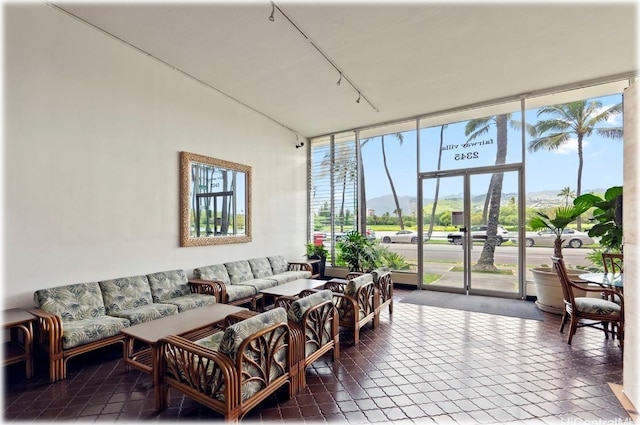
(472, 220)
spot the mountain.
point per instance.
(408, 204)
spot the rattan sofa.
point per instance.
(230, 372)
(78, 318)
(240, 282)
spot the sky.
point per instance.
(545, 170)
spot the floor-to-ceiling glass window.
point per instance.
(333, 189)
(446, 197)
(576, 149)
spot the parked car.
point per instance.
(479, 233)
(572, 238)
(371, 235)
(403, 236)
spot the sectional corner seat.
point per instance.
(230, 372)
(240, 282)
(77, 318)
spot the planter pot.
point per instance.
(548, 289)
(321, 264)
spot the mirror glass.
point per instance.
(215, 201)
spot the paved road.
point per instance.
(535, 255)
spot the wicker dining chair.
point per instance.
(587, 311)
(613, 263)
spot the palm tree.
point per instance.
(474, 129)
(398, 210)
(437, 191)
(567, 194)
(579, 119)
(345, 171)
(562, 218)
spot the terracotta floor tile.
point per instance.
(421, 365)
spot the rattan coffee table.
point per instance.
(292, 289)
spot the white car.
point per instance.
(479, 233)
(572, 238)
(403, 236)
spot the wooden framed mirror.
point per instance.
(216, 194)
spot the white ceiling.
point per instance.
(408, 59)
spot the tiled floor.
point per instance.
(423, 365)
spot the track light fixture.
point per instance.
(301, 31)
(273, 11)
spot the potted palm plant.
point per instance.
(357, 252)
(318, 252)
(548, 289)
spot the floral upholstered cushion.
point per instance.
(146, 313)
(289, 276)
(258, 284)
(375, 274)
(299, 307)
(212, 342)
(354, 284)
(260, 267)
(72, 302)
(125, 293)
(167, 285)
(191, 301)
(215, 272)
(238, 332)
(239, 271)
(597, 306)
(235, 334)
(83, 331)
(236, 292)
(279, 264)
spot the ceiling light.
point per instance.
(273, 11)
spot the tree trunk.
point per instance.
(486, 260)
(557, 247)
(393, 189)
(579, 187)
(435, 198)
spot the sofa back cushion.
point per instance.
(279, 264)
(215, 272)
(239, 271)
(299, 307)
(72, 302)
(125, 293)
(354, 284)
(260, 267)
(168, 284)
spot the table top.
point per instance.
(181, 323)
(293, 288)
(16, 316)
(608, 279)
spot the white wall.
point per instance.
(93, 131)
(631, 217)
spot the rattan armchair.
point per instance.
(357, 303)
(233, 371)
